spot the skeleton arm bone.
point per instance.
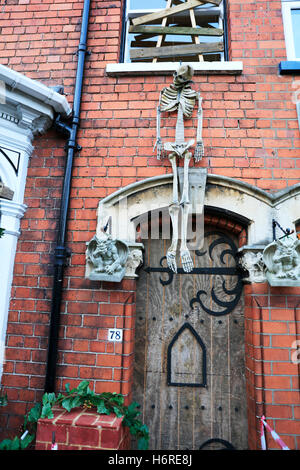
(158, 142)
(199, 149)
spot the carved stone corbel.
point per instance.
(6, 192)
(282, 260)
(106, 259)
(252, 263)
(134, 260)
(112, 260)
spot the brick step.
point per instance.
(82, 429)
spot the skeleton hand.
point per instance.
(186, 260)
(171, 261)
(199, 151)
(159, 146)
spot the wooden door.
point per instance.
(189, 376)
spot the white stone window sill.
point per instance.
(168, 68)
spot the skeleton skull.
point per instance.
(183, 75)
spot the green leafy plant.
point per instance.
(82, 396)
(2, 232)
(18, 443)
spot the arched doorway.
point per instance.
(189, 374)
(237, 202)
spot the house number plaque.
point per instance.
(115, 335)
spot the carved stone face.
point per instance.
(102, 247)
(287, 247)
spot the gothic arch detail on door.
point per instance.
(178, 374)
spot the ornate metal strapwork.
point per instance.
(219, 298)
(216, 444)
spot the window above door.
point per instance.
(291, 23)
(174, 31)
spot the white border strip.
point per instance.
(287, 6)
(168, 68)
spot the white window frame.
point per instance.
(287, 6)
(136, 13)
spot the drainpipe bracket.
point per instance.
(82, 48)
(61, 253)
(61, 126)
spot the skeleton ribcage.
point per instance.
(171, 97)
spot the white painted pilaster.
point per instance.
(11, 213)
(27, 109)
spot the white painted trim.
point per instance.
(21, 144)
(168, 68)
(10, 215)
(287, 6)
(35, 90)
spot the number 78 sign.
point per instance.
(115, 335)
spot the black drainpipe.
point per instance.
(61, 251)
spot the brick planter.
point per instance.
(82, 429)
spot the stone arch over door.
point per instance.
(233, 198)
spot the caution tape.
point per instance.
(264, 424)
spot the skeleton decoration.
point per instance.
(106, 259)
(282, 259)
(180, 97)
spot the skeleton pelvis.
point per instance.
(179, 148)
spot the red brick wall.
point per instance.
(272, 327)
(250, 133)
(271, 125)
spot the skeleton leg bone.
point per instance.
(174, 214)
(185, 256)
